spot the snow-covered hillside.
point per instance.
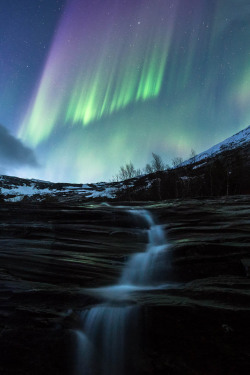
(237, 140)
(155, 186)
(13, 189)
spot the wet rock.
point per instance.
(246, 264)
(198, 324)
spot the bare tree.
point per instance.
(138, 172)
(128, 171)
(115, 178)
(148, 168)
(176, 161)
(157, 163)
(193, 155)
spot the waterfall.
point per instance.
(107, 327)
(141, 267)
(105, 340)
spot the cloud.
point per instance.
(13, 153)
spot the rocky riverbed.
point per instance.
(51, 252)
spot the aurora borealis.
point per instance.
(119, 79)
(91, 73)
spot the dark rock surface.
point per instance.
(50, 252)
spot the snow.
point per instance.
(25, 190)
(15, 192)
(237, 140)
(199, 165)
(107, 193)
(18, 198)
(86, 187)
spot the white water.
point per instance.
(142, 266)
(103, 342)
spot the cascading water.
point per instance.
(103, 342)
(142, 266)
(106, 328)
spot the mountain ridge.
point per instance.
(237, 140)
(223, 162)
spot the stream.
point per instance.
(107, 340)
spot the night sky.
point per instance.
(88, 85)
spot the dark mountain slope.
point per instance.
(221, 170)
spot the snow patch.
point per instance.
(199, 165)
(25, 190)
(237, 140)
(106, 193)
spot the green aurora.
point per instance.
(123, 79)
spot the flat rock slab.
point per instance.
(50, 254)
